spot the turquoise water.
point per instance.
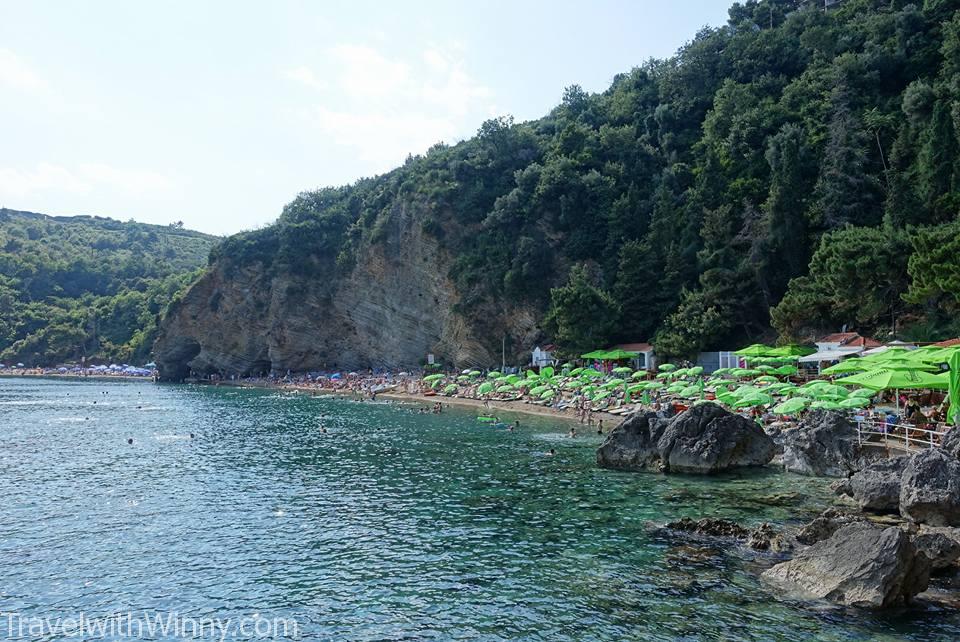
(391, 525)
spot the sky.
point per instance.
(217, 114)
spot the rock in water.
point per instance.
(824, 445)
(710, 527)
(860, 565)
(704, 439)
(876, 487)
(633, 444)
(930, 489)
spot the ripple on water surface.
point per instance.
(390, 525)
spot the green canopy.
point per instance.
(575, 372)
(547, 394)
(507, 387)
(596, 354)
(451, 387)
(622, 370)
(954, 386)
(666, 367)
(757, 350)
(590, 373)
(849, 365)
(786, 370)
(791, 406)
(639, 374)
(792, 350)
(433, 377)
(546, 372)
(855, 402)
(474, 373)
(885, 379)
(485, 387)
(866, 393)
(825, 405)
(616, 355)
(493, 374)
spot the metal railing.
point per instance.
(871, 432)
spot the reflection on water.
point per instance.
(392, 524)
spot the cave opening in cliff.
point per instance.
(175, 364)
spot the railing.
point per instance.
(902, 436)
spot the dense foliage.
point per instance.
(88, 287)
(792, 171)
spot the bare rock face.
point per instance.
(876, 487)
(859, 565)
(823, 445)
(393, 307)
(951, 442)
(942, 550)
(930, 489)
(704, 439)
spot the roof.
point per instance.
(634, 347)
(849, 339)
(949, 343)
(831, 355)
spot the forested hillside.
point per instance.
(81, 286)
(790, 172)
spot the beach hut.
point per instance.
(542, 357)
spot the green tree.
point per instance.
(582, 316)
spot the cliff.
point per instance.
(393, 307)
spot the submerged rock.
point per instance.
(710, 527)
(762, 538)
(930, 488)
(877, 486)
(859, 565)
(824, 445)
(704, 439)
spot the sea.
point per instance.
(134, 510)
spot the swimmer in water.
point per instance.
(129, 440)
(551, 452)
(572, 433)
(600, 427)
(191, 435)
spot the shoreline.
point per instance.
(609, 420)
(60, 375)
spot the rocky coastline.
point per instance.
(892, 540)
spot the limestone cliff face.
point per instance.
(395, 306)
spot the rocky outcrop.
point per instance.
(704, 439)
(824, 445)
(877, 486)
(633, 444)
(825, 525)
(394, 305)
(762, 538)
(951, 442)
(943, 551)
(859, 565)
(930, 488)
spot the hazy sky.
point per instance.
(218, 113)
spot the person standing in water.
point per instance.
(600, 427)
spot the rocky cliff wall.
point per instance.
(396, 305)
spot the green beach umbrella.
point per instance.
(666, 367)
(846, 366)
(766, 379)
(601, 395)
(548, 394)
(434, 377)
(885, 379)
(792, 350)
(791, 406)
(690, 391)
(755, 350)
(484, 388)
(786, 371)
(547, 372)
(854, 402)
(622, 370)
(575, 372)
(591, 373)
(866, 393)
(572, 385)
(474, 373)
(954, 387)
(450, 388)
(537, 390)
(596, 354)
(636, 388)
(493, 374)
(654, 385)
(639, 374)
(695, 370)
(825, 405)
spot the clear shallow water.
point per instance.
(391, 526)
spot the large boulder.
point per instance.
(930, 488)
(825, 444)
(704, 439)
(860, 565)
(951, 442)
(876, 487)
(633, 444)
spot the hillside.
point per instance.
(789, 172)
(81, 286)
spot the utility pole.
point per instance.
(503, 353)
